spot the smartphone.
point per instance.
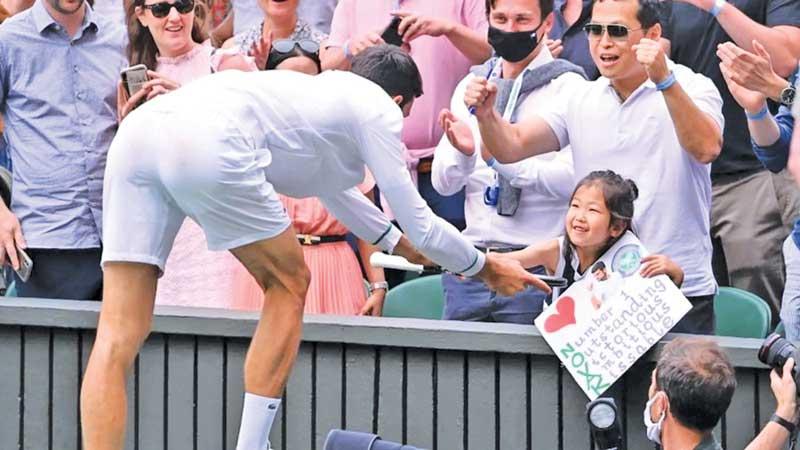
(25, 265)
(133, 78)
(391, 35)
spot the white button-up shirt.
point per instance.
(546, 180)
(637, 139)
(314, 135)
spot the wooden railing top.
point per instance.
(376, 331)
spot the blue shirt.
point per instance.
(58, 97)
(776, 156)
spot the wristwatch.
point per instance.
(787, 95)
(378, 285)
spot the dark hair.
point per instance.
(650, 11)
(599, 266)
(619, 195)
(698, 379)
(390, 68)
(545, 7)
(142, 47)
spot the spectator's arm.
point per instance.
(508, 142)
(555, 177)
(374, 303)
(473, 45)
(451, 167)
(222, 32)
(771, 139)
(794, 149)
(774, 436)
(697, 132)
(541, 254)
(782, 41)
(469, 42)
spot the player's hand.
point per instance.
(458, 132)
(507, 277)
(481, 94)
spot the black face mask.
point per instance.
(513, 46)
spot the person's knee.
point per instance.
(119, 345)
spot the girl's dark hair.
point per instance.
(619, 194)
(142, 47)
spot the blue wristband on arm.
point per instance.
(717, 8)
(491, 162)
(759, 115)
(667, 83)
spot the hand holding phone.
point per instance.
(391, 35)
(133, 78)
(25, 265)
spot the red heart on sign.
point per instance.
(565, 315)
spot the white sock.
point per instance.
(257, 415)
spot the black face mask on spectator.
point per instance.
(513, 46)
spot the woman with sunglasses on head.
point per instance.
(167, 37)
(282, 40)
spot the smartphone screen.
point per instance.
(134, 77)
(390, 35)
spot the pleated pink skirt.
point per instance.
(336, 284)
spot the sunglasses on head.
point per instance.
(162, 9)
(615, 31)
(288, 45)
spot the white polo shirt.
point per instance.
(546, 180)
(637, 139)
(313, 136)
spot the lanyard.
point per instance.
(514, 96)
(492, 193)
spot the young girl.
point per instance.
(600, 213)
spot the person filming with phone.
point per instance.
(59, 67)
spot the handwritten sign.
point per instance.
(607, 320)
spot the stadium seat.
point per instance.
(741, 314)
(420, 298)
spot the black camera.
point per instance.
(775, 351)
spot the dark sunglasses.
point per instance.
(288, 46)
(615, 31)
(162, 9)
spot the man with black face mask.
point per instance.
(508, 206)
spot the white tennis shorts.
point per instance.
(164, 166)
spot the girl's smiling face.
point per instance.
(589, 224)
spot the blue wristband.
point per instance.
(666, 84)
(759, 115)
(717, 8)
(346, 48)
(491, 162)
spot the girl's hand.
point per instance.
(159, 84)
(653, 265)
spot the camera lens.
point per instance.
(775, 351)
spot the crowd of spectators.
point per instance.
(676, 96)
